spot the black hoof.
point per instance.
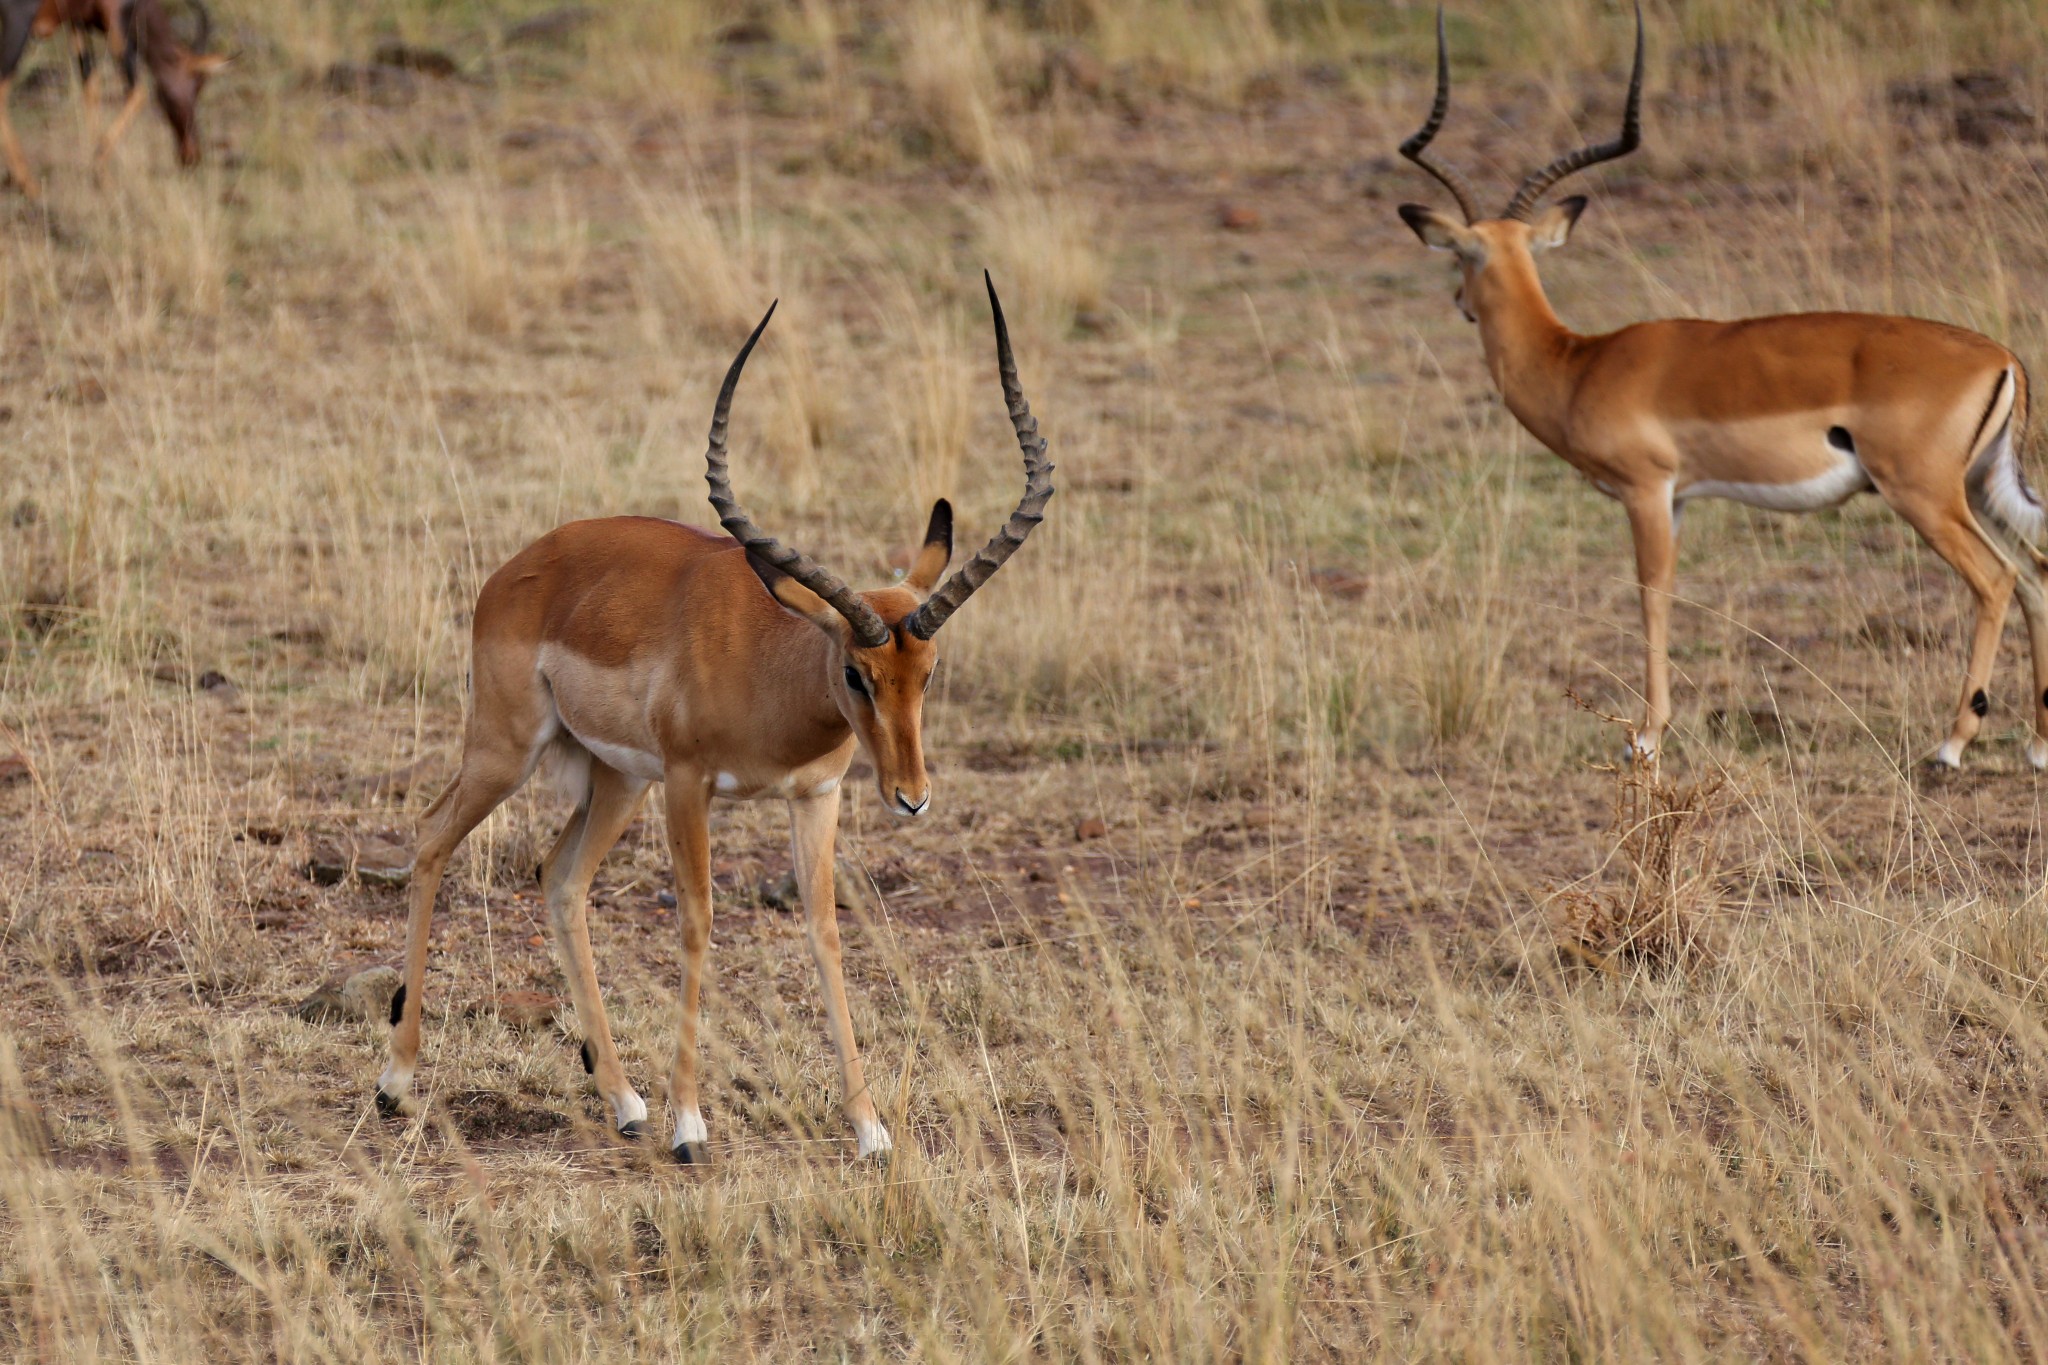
(691, 1153)
(389, 1107)
(634, 1131)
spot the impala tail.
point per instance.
(1998, 481)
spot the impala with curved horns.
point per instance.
(722, 666)
(1795, 413)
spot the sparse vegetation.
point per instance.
(1219, 1010)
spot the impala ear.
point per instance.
(937, 553)
(794, 596)
(1440, 231)
(1553, 226)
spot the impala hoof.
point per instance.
(634, 1131)
(389, 1107)
(691, 1153)
(2037, 754)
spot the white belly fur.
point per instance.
(1830, 489)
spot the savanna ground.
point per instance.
(1361, 1026)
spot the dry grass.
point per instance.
(1286, 1066)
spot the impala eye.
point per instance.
(854, 681)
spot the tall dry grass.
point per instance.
(1292, 1063)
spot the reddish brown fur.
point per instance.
(1658, 409)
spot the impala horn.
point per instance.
(1413, 148)
(868, 629)
(1539, 184)
(926, 620)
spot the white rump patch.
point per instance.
(1841, 482)
(1998, 486)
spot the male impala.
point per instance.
(1794, 413)
(733, 666)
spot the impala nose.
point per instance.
(905, 806)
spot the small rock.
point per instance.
(396, 781)
(215, 684)
(1340, 582)
(782, 893)
(427, 61)
(1076, 68)
(551, 27)
(23, 1131)
(363, 995)
(1094, 827)
(376, 860)
(373, 81)
(665, 899)
(522, 1011)
(1238, 218)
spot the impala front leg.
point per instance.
(612, 801)
(814, 821)
(1653, 527)
(689, 844)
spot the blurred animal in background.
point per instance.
(1795, 413)
(726, 667)
(137, 33)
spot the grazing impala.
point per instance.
(138, 32)
(1793, 413)
(647, 651)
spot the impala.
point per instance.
(721, 666)
(1794, 413)
(138, 33)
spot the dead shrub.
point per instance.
(1658, 901)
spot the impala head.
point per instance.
(180, 73)
(1494, 254)
(880, 653)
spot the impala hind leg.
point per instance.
(689, 843)
(1653, 527)
(612, 801)
(488, 775)
(1952, 531)
(2033, 591)
(814, 821)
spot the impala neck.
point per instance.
(1532, 356)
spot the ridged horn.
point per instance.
(1536, 186)
(1414, 147)
(868, 629)
(926, 620)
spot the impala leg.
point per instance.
(689, 843)
(814, 821)
(613, 800)
(487, 777)
(119, 127)
(2034, 604)
(89, 83)
(2033, 593)
(1653, 527)
(10, 147)
(1954, 535)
